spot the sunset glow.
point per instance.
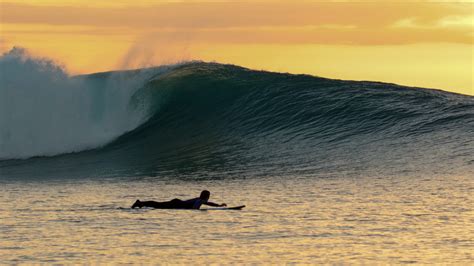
(424, 44)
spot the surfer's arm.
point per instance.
(215, 204)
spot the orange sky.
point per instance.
(422, 43)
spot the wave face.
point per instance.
(211, 119)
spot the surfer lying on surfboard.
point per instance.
(180, 204)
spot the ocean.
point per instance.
(330, 171)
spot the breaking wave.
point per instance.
(210, 116)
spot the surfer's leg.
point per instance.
(155, 204)
(173, 204)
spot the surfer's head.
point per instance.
(205, 195)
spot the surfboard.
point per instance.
(224, 208)
(206, 209)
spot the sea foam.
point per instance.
(44, 111)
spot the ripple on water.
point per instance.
(331, 220)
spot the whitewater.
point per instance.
(331, 171)
(46, 112)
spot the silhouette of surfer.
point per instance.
(194, 203)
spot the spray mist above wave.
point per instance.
(44, 111)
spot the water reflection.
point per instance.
(291, 220)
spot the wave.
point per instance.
(212, 116)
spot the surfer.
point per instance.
(180, 204)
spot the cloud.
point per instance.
(243, 22)
(223, 14)
(458, 21)
(466, 22)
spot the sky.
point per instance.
(416, 43)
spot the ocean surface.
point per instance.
(331, 171)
